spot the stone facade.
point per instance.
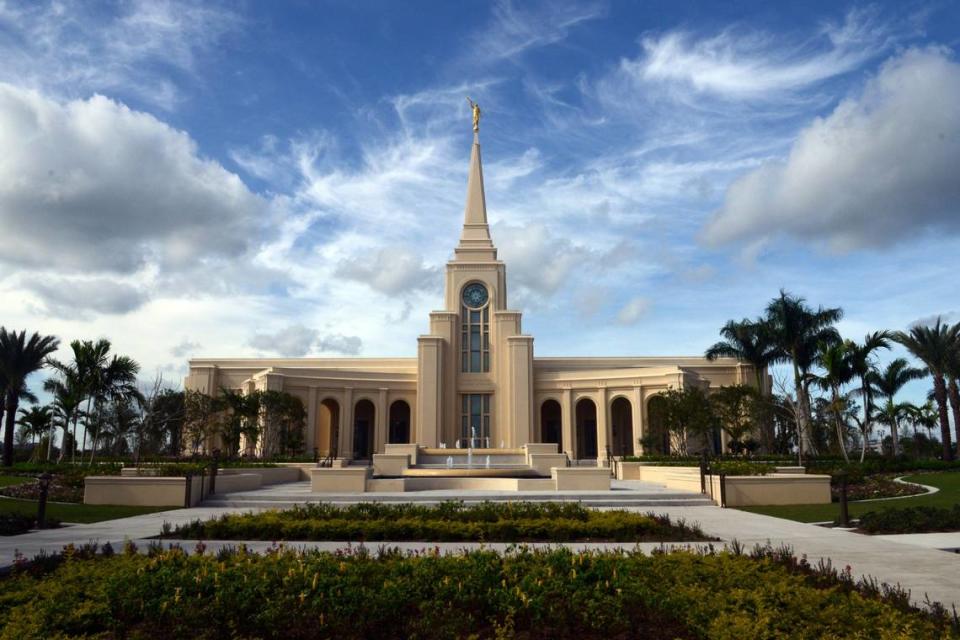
(475, 379)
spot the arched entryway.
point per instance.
(551, 423)
(586, 429)
(399, 432)
(657, 438)
(621, 425)
(364, 416)
(328, 428)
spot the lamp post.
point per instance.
(44, 481)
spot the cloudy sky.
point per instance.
(288, 178)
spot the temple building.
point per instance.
(475, 380)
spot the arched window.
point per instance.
(474, 329)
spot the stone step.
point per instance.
(592, 500)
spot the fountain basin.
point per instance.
(475, 472)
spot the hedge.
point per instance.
(447, 522)
(911, 520)
(527, 594)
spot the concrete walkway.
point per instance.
(921, 568)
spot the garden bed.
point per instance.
(877, 487)
(448, 522)
(911, 520)
(521, 594)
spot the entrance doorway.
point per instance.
(328, 428)
(621, 423)
(586, 429)
(551, 423)
(399, 423)
(364, 416)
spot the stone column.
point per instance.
(603, 426)
(429, 390)
(310, 437)
(567, 422)
(639, 424)
(382, 423)
(346, 426)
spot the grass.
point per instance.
(75, 512)
(947, 481)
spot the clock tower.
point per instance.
(475, 367)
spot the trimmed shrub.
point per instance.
(526, 594)
(911, 520)
(447, 522)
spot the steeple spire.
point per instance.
(475, 242)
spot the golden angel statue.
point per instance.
(476, 114)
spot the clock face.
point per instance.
(475, 295)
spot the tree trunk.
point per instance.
(803, 434)
(12, 401)
(940, 393)
(836, 416)
(895, 436)
(954, 393)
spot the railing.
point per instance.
(706, 480)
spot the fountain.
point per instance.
(449, 462)
(469, 457)
(487, 464)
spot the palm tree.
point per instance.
(748, 341)
(891, 413)
(888, 383)
(117, 382)
(68, 394)
(926, 416)
(36, 420)
(19, 357)
(797, 330)
(835, 359)
(934, 347)
(89, 359)
(861, 361)
(953, 373)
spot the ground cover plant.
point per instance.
(447, 522)
(949, 495)
(482, 594)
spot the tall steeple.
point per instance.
(475, 242)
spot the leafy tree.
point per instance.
(283, 423)
(735, 408)
(797, 330)
(19, 357)
(200, 415)
(935, 346)
(240, 420)
(687, 413)
(887, 384)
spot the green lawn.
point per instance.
(947, 481)
(75, 512)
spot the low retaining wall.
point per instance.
(741, 491)
(142, 491)
(360, 480)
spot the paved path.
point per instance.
(925, 571)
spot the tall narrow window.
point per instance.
(475, 329)
(475, 419)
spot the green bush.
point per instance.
(447, 522)
(528, 594)
(742, 468)
(911, 520)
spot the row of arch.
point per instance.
(364, 423)
(585, 427)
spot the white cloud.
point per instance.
(92, 185)
(297, 340)
(514, 29)
(337, 343)
(390, 270)
(71, 48)
(292, 341)
(750, 64)
(184, 348)
(66, 297)
(633, 311)
(881, 168)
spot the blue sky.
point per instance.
(287, 178)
